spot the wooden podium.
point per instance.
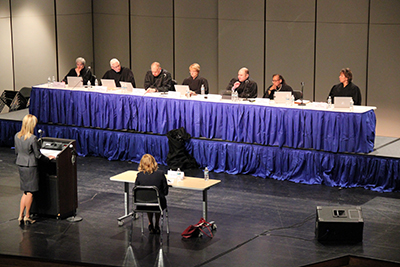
(58, 194)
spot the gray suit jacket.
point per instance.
(27, 151)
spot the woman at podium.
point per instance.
(149, 176)
(28, 154)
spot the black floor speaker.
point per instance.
(339, 224)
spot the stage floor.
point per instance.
(261, 222)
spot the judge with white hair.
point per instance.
(80, 71)
(119, 74)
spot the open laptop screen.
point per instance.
(280, 97)
(74, 82)
(182, 89)
(127, 85)
(342, 101)
(109, 83)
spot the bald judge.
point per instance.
(245, 87)
(157, 79)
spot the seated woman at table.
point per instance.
(195, 81)
(149, 175)
(80, 71)
(346, 87)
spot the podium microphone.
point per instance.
(40, 132)
(302, 90)
(74, 154)
(73, 149)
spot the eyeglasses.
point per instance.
(275, 80)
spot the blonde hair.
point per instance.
(28, 126)
(148, 164)
(195, 66)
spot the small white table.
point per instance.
(191, 183)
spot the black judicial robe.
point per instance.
(246, 89)
(163, 82)
(125, 75)
(351, 90)
(85, 73)
(195, 84)
(284, 88)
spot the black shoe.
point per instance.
(151, 229)
(157, 230)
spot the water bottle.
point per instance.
(89, 85)
(351, 105)
(287, 100)
(203, 90)
(53, 80)
(234, 96)
(206, 174)
(96, 82)
(329, 102)
(292, 101)
(179, 174)
(48, 82)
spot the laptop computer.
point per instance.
(280, 97)
(342, 101)
(109, 83)
(74, 82)
(127, 85)
(182, 89)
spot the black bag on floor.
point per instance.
(178, 157)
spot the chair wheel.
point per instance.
(120, 223)
(214, 226)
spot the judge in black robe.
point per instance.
(245, 87)
(158, 79)
(278, 85)
(346, 87)
(195, 81)
(80, 71)
(119, 74)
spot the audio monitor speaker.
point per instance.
(339, 224)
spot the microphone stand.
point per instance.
(73, 218)
(302, 90)
(84, 76)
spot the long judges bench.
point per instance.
(243, 122)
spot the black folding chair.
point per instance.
(6, 99)
(147, 199)
(21, 99)
(297, 95)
